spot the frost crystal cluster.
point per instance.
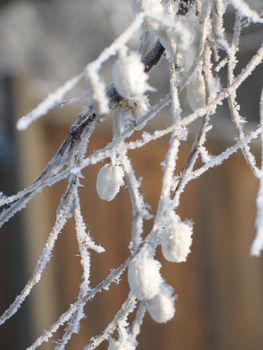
(190, 37)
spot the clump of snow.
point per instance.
(144, 277)
(176, 241)
(129, 77)
(161, 307)
(109, 181)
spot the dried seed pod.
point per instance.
(144, 277)
(176, 241)
(129, 77)
(161, 308)
(109, 181)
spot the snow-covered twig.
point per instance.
(177, 27)
(233, 106)
(50, 102)
(126, 308)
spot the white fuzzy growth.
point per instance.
(196, 91)
(176, 241)
(129, 77)
(120, 345)
(144, 277)
(161, 308)
(109, 181)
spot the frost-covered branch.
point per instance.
(233, 105)
(191, 34)
(120, 317)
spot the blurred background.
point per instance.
(220, 288)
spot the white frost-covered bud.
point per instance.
(161, 308)
(176, 241)
(129, 77)
(144, 277)
(109, 181)
(120, 345)
(196, 91)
